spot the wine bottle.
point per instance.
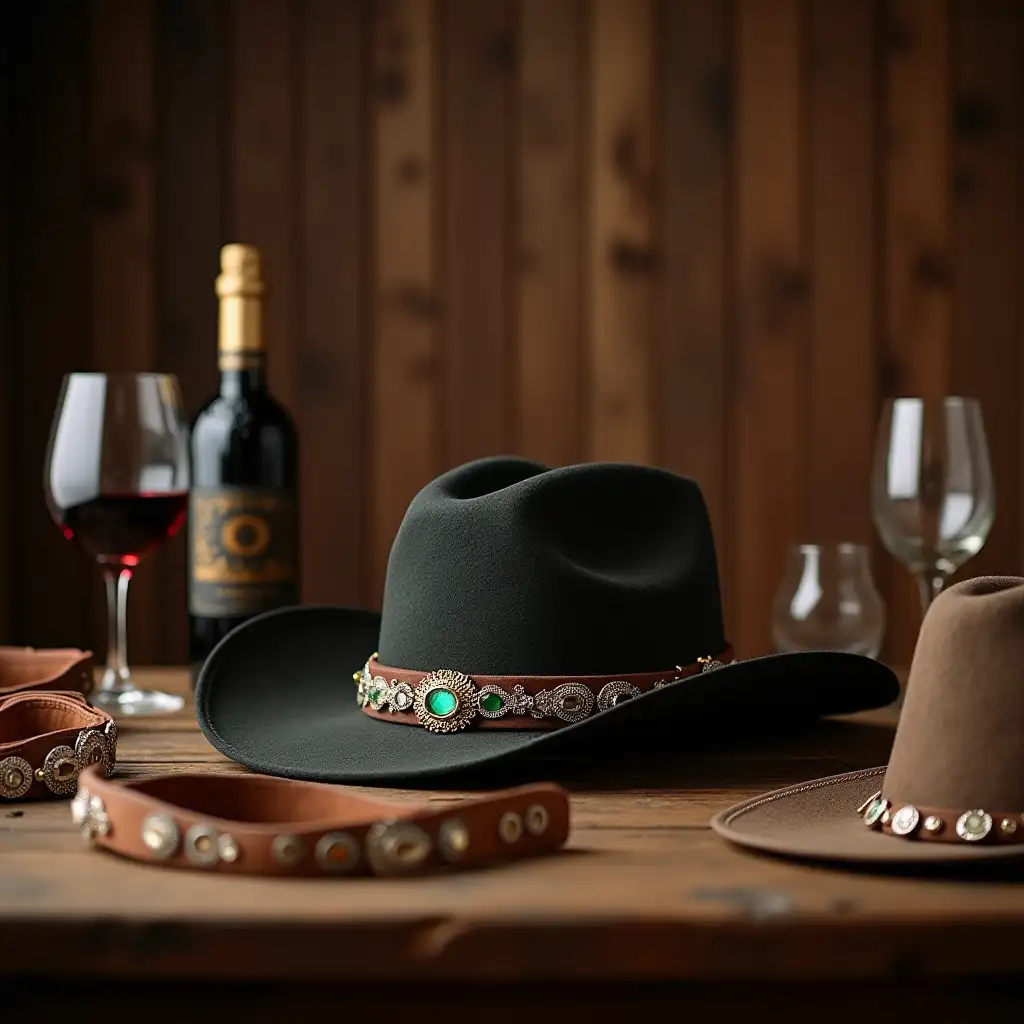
(243, 501)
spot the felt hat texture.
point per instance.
(506, 567)
(959, 744)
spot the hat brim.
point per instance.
(818, 820)
(277, 696)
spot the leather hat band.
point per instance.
(447, 701)
(46, 739)
(941, 824)
(259, 825)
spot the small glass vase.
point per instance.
(828, 601)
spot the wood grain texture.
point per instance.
(50, 250)
(261, 176)
(695, 358)
(643, 892)
(478, 57)
(549, 341)
(711, 235)
(191, 104)
(329, 277)
(988, 245)
(918, 277)
(623, 259)
(407, 309)
(843, 210)
(773, 288)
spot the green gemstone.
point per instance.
(441, 702)
(375, 694)
(875, 810)
(491, 702)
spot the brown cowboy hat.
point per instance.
(953, 790)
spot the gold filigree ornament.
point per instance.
(445, 701)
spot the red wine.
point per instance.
(243, 508)
(121, 529)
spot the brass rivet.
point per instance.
(453, 839)
(288, 850)
(537, 819)
(510, 827)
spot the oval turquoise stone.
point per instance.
(441, 702)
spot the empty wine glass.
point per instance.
(116, 482)
(827, 601)
(933, 499)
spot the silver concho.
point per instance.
(60, 771)
(337, 852)
(378, 692)
(161, 836)
(15, 777)
(397, 847)
(400, 696)
(571, 702)
(94, 818)
(616, 692)
(905, 820)
(972, 826)
(709, 665)
(93, 747)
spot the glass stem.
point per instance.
(930, 584)
(117, 675)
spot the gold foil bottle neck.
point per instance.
(241, 271)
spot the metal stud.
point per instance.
(288, 850)
(972, 826)
(80, 807)
(536, 819)
(510, 827)
(201, 846)
(876, 812)
(453, 839)
(160, 835)
(60, 771)
(934, 824)
(96, 821)
(401, 696)
(397, 847)
(1008, 826)
(15, 777)
(337, 852)
(227, 848)
(905, 820)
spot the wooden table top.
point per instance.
(645, 890)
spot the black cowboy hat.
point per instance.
(528, 612)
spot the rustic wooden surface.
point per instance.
(707, 234)
(644, 893)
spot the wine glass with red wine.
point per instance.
(116, 481)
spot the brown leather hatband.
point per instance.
(447, 701)
(941, 824)
(259, 825)
(46, 739)
(64, 669)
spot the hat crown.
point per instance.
(960, 739)
(504, 566)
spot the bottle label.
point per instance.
(243, 551)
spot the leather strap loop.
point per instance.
(26, 669)
(448, 701)
(46, 739)
(260, 825)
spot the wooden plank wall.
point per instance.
(707, 234)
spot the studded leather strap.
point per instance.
(46, 739)
(258, 825)
(942, 824)
(63, 669)
(448, 701)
